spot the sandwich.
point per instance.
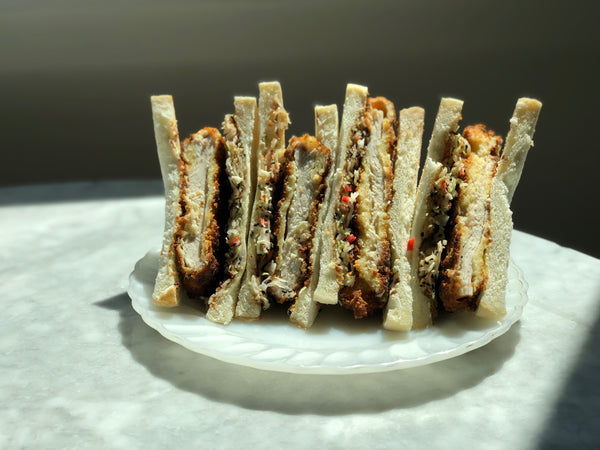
(207, 182)
(203, 184)
(304, 188)
(264, 231)
(192, 174)
(462, 223)
(338, 218)
(305, 309)
(508, 173)
(355, 248)
(241, 139)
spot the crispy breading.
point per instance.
(197, 238)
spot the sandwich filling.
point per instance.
(274, 158)
(197, 237)
(346, 204)
(304, 190)
(235, 166)
(361, 212)
(452, 266)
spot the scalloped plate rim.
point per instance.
(151, 316)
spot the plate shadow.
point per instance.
(305, 394)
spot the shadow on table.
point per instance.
(575, 421)
(296, 394)
(79, 191)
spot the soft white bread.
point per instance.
(305, 309)
(398, 314)
(241, 134)
(273, 120)
(446, 123)
(166, 288)
(328, 285)
(518, 142)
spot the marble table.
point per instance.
(79, 368)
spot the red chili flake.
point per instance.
(348, 187)
(444, 185)
(345, 199)
(461, 171)
(263, 222)
(350, 238)
(232, 243)
(411, 244)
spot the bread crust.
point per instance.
(167, 290)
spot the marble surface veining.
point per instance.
(79, 368)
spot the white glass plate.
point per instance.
(336, 343)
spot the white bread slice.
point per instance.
(328, 287)
(241, 133)
(518, 142)
(166, 288)
(446, 123)
(398, 314)
(273, 120)
(305, 309)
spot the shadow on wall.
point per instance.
(76, 101)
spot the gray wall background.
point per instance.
(76, 79)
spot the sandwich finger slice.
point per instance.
(241, 137)
(431, 213)
(333, 263)
(305, 309)
(518, 143)
(304, 188)
(463, 221)
(366, 241)
(354, 266)
(167, 291)
(463, 271)
(262, 238)
(398, 312)
(197, 238)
